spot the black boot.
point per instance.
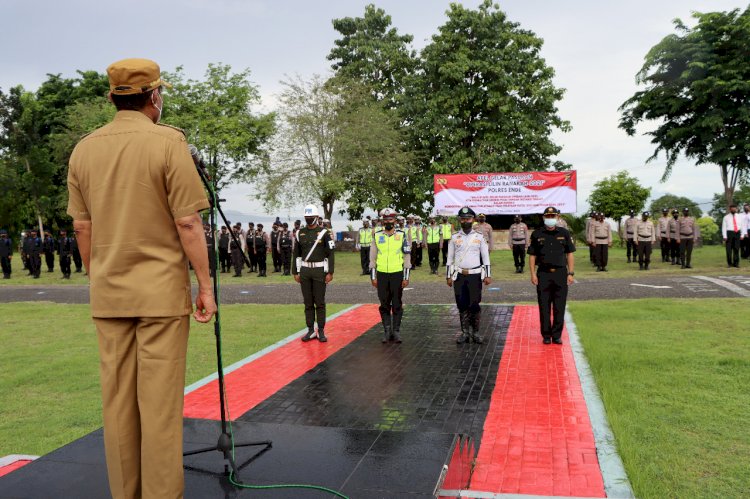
(321, 335)
(464, 337)
(310, 334)
(640, 265)
(396, 335)
(386, 331)
(475, 318)
(646, 266)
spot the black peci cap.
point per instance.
(466, 212)
(550, 210)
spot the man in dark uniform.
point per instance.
(63, 251)
(468, 267)
(313, 269)
(33, 248)
(275, 255)
(284, 241)
(261, 243)
(235, 249)
(224, 261)
(6, 253)
(48, 248)
(250, 248)
(210, 249)
(552, 270)
(76, 254)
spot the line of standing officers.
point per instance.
(33, 248)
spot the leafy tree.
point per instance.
(670, 202)
(217, 117)
(335, 144)
(710, 233)
(617, 195)
(698, 89)
(719, 208)
(372, 52)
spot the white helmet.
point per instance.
(387, 213)
(311, 211)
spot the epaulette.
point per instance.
(173, 128)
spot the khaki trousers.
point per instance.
(142, 367)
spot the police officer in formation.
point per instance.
(250, 247)
(589, 219)
(313, 270)
(6, 253)
(433, 237)
(688, 233)
(390, 263)
(49, 245)
(468, 267)
(223, 242)
(284, 247)
(261, 247)
(518, 240)
(662, 234)
(673, 231)
(644, 237)
(363, 239)
(446, 229)
(485, 229)
(414, 233)
(235, 250)
(33, 248)
(275, 254)
(64, 244)
(600, 238)
(628, 235)
(552, 270)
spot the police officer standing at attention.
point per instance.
(49, 246)
(261, 245)
(485, 229)
(433, 238)
(313, 270)
(628, 235)
(6, 253)
(645, 236)
(63, 251)
(224, 249)
(284, 242)
(235, 250)
(673, 235)
(364, 239)
(390, 262)
(662, 234)
(33, 248)
(446, 230)
(518, 240)
(275, 254)
(552, 270)
(468, 267)
(687, 235)
(600, 238)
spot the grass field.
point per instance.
(49, 387)
(708, 260)
(673, 376)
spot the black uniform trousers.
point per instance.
(224, 260)
(5, 263)
(252, 257)
(631, 248)
(519, 255)
(686, 250)
(313, 283)
(261, 255)
(745, 246)
(49, 259)
(237, 262)
(65, 264)
(364, 259)
(445, 251)
(601, 255)
(674, 250)
(390, 294)
(468, 291)
(433, 253)
(35, 264)
(416, 253)
(644, 252)
(552, 294)
(664, 245)
(733, 248)
(77, 259)
(286, 259)
(275, 258)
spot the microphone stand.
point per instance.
(225, 444)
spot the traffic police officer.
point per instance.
(687, 235)
(468, 266)
(662, 234)
(433, 237)
(6, 253)
(552, 270)
(364, 239)
(313, 269)
(518, 240)
(63, 252)
(390, 262)
(628, 234)
(644, 238)
(446, 230)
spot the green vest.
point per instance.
(365, 238)
(390, 252)
(447, 231)
(433, 234)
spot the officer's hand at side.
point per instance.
(450, 282)
(534, 280)
(571, 280)
(404, 283)
(329, 278)
(487, 281)
(296, 278)
(205, 305)
(374, 283)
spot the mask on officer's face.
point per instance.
(388, 225)
(466, 226)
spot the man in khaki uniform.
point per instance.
(645, 237)
(687, 234)
(134, 195)
(673, 234)
(518, 240)
(662, 234)
(600, 237)
(485, 229)
(627, 234)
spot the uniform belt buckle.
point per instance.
(465, 271)
(553, 269)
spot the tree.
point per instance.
(719, 208)
(698, 88)
(710, 233)
(617, 195)
(335, 144)
(217, 117)
(672, 202)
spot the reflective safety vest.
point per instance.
(433, 234)
(415, 234)
(391, 249)
(447, 231)
(365, 237)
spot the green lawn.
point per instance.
(709, 260)
(49, 387)
(674, 379)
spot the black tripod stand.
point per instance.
(224, 444)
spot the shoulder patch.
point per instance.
(180, 130)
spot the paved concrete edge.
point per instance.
(260, 353)
(616, 483)
(480, 494)
(12, 458)
(724, 284)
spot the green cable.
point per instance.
(229, 419)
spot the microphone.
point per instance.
(198, 160)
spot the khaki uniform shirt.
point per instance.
(645, 231)
(599, 233)
(688, 229)
(518, 234)
(663, 228)
(486, 230)
(132, 179)
(628, 228)
(673, 229)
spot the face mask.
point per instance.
(158, 108)
(466, 226)
(675, 216)
(388, 226)
(550, 222)
(310, 220)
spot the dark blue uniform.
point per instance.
(6, 251)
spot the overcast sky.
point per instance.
(596, 48)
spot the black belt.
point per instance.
(686, 234)
(522, 240)
(605, 237)
(644, 235)
(631, 233)
(549, 269)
